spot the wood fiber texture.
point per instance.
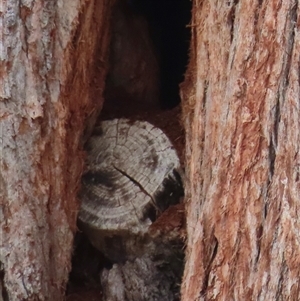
(132, 177)
(241, 114)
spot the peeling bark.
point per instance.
(241, 113)
(47, 63)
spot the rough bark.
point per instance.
(47, 63)
(241, 113)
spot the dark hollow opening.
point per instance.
(148, 58)
(149, 52)
(168, 20)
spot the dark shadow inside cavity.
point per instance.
(150, 212)
(168, 20)
(147, 33)
(165, 23)
(171, 193)
(87, 262)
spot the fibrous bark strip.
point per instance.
(241, 113)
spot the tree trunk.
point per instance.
(241, 113)
(47, 62)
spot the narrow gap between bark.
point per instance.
(154, 33)
(290, 29)
(3, 292)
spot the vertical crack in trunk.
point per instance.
(206, 85)
(231, 18)
(290, 30)
(202, 162)
(259, 233)
(3, 292)
(274, 138)
(283, 84)
(214, 251)
(257, 12)
(283, 273)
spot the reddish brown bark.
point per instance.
(241, 113)
(48, 58)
